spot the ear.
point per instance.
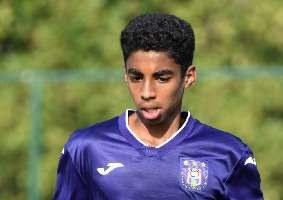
(190, 76)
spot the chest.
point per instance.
(130, 174)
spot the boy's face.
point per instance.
(156, 85)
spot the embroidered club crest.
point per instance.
(194, 174)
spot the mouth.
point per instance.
(150, 113)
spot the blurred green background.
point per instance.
(61, 69)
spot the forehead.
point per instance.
(151, 61)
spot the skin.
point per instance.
(157, 86)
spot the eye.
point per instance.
(135, 78)
(163, 79)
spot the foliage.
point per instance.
(53, 35)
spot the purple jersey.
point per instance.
(107, 161)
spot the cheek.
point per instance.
(178, 94)
(171, 96)
(133, 91)
(173, 93)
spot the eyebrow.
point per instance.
(133, 71)
(163, 73)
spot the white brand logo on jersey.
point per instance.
(111, 167)
(250, 160)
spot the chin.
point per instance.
(152, 122)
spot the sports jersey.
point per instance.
(107, 161)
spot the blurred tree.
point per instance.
(72, 34)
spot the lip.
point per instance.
(150, 113)
(148, 105)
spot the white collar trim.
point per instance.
(166, 141)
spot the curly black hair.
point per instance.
(160, 32)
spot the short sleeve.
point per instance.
(69, 184)
(244, 182)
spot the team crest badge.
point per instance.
(194, 174)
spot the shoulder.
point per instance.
(85, 141)
(94, 130)
(89, 136)
(222, 141)
(226, 149)
(230, 159)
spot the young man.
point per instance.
(156, 152)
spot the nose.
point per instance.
(148, 90)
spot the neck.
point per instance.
(156, 134)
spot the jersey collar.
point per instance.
(171, 142)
